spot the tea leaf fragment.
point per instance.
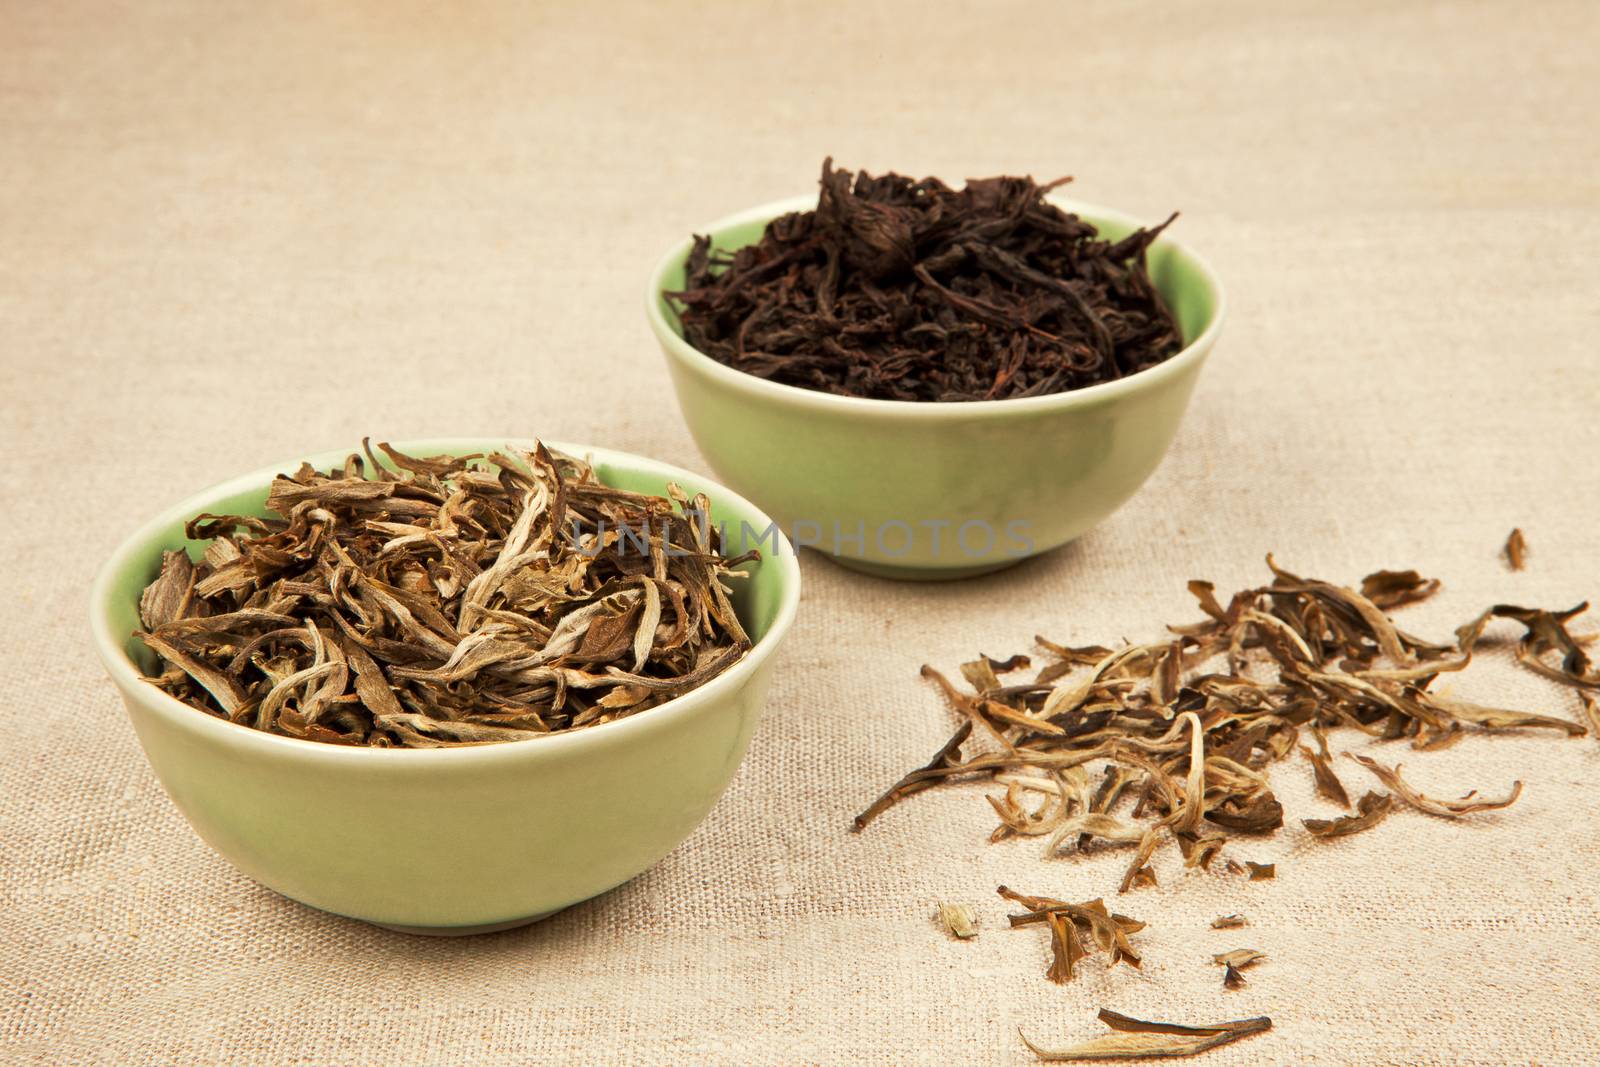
(1261, 872)
(1328, 784)
(1229, 922)
(1239, 957)
(167, 599)
(1393, 589)
(959, 920)
(1371, 809)
(1591, 712)
(1516, 549)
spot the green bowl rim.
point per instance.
(1195, 351)
(131, 681)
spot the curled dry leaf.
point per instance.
(442, 601)
(1239, 957)
(1261, 872)
(1393, 589)
(1229, 922)
(1137, 1039)
(1449, 809)
(1371, 810)
(959, 920)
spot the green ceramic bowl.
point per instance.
(925, 490)
(447, 840)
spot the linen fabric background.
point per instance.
(234, 233)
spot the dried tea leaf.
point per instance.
(1499, 718)
(1229, 922)
(1328, 784)
(1393, 589)
(1261, 872)
(1077, 930)
(959, 920)
(924, 777)
(1591, 712)
(1136, 1039)
(1066, 947)
(1144, 876)
(1516, 549)
(1239, 957)
(1372, 808)
(1256, 812)
(1449, 809)
(1232, 978)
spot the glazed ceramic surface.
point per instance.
(448, 840)
(938, 490)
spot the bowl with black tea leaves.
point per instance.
(447, 686)
(931, 383)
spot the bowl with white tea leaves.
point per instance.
(448, 686)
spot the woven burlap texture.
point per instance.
(234, 233)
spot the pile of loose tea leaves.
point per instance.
(444, 601)
(899, 289)
(1171, 743)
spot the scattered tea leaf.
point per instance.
(1239, 957)
(1076, 931)
(1591, 711)
(1517, 549)
(1328, 784)
(1232, 978)
(1229, 922)
(924, 777)
(959, 920)
(1137, 1039)
(1372, 808)
(1393, 589)
(1144, 876)
(1449, 809)
(1261, 872)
